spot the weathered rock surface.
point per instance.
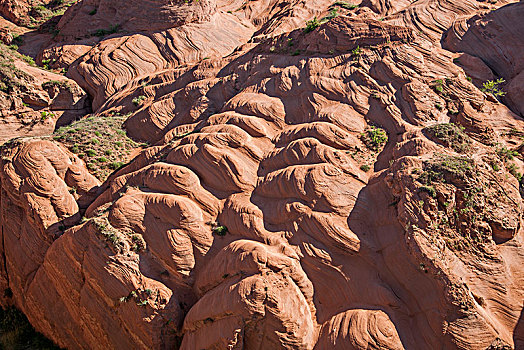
(33, 101)
(345, 187)
(116, 45)
(17, 11)
(496, 38)
(32, 13)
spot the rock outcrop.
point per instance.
(345, 186)
(32, 100)
(495, 38)
(32, 13)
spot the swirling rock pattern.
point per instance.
(485, 36)
(182, 33)
(343, 188)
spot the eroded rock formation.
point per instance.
(487, 36)
(32, 100)
(341, 187)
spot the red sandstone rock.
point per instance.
(33, 101)
(496, 38)
(271, 210)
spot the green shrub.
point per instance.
(28, 60)
(220, 230)
(513, 171)
(492, 87)
(45, 114)
(104, 32)
(137, 101)
(332, 14)
(374, 138)
(17, 40)
(345, 5)
(438, 85)
(506, 154)
(116, 165)
(142, 303)
(312, 25)
(138, 243)
(41, 11)
(45, 63)
(365, 167)
(430, 190)
(53, 83)
(108, 231)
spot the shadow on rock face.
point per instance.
(518, 332)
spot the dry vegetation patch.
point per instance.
(101, 142)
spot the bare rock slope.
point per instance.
(343, 186)
(496, 38)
